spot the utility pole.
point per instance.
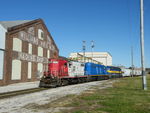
(92, 47)
(142, 44)
(132, 60)
(83, 47)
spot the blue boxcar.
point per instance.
(95, 69)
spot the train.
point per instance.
(63, 72)
(127, 72)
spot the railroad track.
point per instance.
(20, 92)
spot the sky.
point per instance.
(114, 25)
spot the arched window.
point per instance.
(17, 45)
(16, 70)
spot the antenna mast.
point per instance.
(92, 47)
(84, 47)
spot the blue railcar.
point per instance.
(96, 71)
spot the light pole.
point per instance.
(84, 47)
(92, 47)
(132, 67)
(142, 44)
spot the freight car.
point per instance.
(137, 72)
(63, 72)
(127, 72)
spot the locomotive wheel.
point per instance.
(59, 83)
(42, 84)
(64, 82)
(53, 85)
(88, 79)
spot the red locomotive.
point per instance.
(57, 69)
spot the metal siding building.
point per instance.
(104, 57)
(24, 50)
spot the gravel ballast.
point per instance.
(17, 104)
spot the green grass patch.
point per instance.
(126, 96)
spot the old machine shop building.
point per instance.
(25, 47)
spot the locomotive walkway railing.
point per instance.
(80, 58)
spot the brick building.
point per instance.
(25, 47)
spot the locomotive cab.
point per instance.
(57, 69)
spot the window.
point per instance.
(44, 68)
(1, 64)
(29, 70)
(40, 51)
(48, 54)
(17, 45)
(39, 69)
(49, 39)
(40, 34)
(65, 64)
(70, 65)
(30, 49)
(16, 70)
(82, 65)
(31, 30)
(74, 68)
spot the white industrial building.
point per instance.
(103, 57)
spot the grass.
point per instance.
(126, 96)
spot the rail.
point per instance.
(20, 92)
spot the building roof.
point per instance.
(13, 25)
(9, 24)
